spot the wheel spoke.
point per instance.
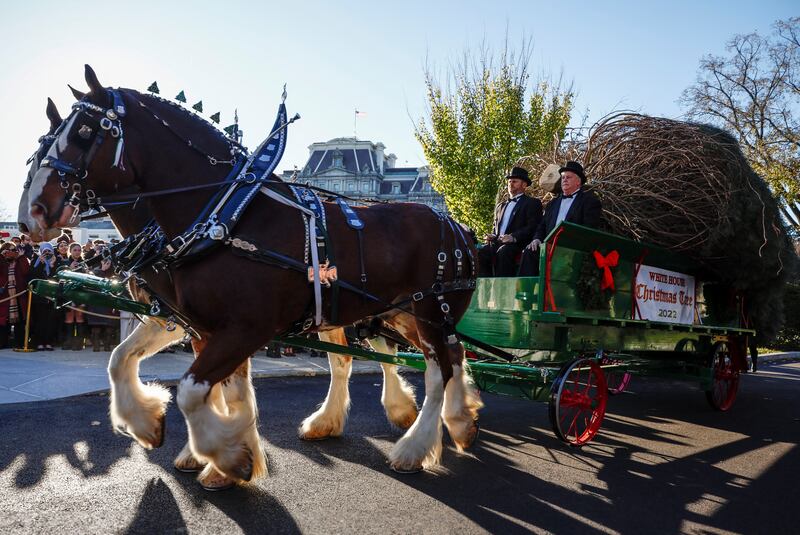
(573, 424)
(588, 383)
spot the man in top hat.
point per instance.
(515, 221)
(574, 204)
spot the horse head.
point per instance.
(26, 222)
(89, 139)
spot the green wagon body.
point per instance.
(560, 327)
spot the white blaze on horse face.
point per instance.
(62, 142)
(42, 174)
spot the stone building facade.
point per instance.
(362, 170)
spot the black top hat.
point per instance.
(576, 168)
(519, 173)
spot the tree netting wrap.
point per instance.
(689, 188)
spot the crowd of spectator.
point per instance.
(72, 327)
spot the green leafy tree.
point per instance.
(754, 92)
(493, 116)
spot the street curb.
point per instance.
(779, 358)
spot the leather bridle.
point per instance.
(92, 124)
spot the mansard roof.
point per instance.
(354, 161)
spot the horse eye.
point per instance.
(85, 132)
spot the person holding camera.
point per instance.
(44, 316)
(515, 221)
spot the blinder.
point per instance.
(89, 126)
(45, 142)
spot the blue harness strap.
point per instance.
(352, 218)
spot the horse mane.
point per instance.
(193, 121)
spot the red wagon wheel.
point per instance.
(617, 381)
(578, 401)
(725, 379)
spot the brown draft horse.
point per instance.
(134, 405)
(238, 305)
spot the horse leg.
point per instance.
(421, 446)
(329, 419)
(230, 394)
(227, 440)
(397, 396)
(185, 461)
(461, 402)
(241, 396)
(222, 397)
(138, 409)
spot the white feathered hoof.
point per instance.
(403, 415)
(148, 434)
(238, 467)
(213, 481)
(143, 420)
(410, 455)
(187, 463)
(400, 469)
(467, 439)
(321, 426)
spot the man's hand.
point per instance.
(489, 238)
(507, 238)
(534, 245)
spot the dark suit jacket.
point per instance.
(526, 216)
(586, 210)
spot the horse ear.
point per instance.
(53, 115)
(75, 93)
(95, 87)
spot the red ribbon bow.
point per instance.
(606, 263)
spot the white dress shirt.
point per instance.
(566, 204)
(509, 209)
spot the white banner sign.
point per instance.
(663, 295)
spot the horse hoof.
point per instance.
(311, 438)
(244, 471)
(162, 431)
(473, 435)
(406, 422)
(216, 489)
(224, 484)
(216, 481)
(192, 466)
(405, 469)
(188, 470)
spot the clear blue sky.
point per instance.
(338, 56)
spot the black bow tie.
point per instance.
(515, 199)
(569, 196)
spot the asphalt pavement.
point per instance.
(663, 462)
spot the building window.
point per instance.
(351, 186)
(365, 187)
(395, 188)
(337, 159)
(337, 185)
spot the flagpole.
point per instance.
(355, 118)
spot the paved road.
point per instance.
(664, 463)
